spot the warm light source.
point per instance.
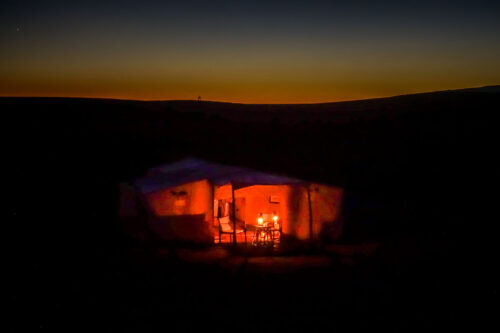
(260, 220)
(275, 218)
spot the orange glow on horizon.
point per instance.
(236, 99)
(321, 83)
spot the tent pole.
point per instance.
(234, 214)
(310, 214)
(213, 211)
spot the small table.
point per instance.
(264, 234)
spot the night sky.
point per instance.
(250, 52)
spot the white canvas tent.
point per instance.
(181, 199)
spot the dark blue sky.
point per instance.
(255, 51)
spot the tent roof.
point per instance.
(191, 169)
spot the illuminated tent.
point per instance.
(181, 201)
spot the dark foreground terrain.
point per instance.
(418, 172)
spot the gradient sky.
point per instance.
(250, 52)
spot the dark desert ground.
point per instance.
(418, 249)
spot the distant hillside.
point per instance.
(337, 112)
(487, 89)
(338, 130)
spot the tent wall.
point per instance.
(187, 199)
(326, 204)
(257, 201)
(182, 212)
(293, 207)
(223, 192)
(132, 218)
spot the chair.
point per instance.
(226, 227)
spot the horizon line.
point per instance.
(242, 103)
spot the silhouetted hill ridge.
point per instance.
(286, 114)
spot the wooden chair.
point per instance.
(226, 227)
